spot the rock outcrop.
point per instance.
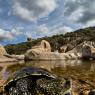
(51, 56)
(2, 50)
(17, 57)
(43, 52)
(88, 51)
(37, 50)
(86, 48)
(3, 58)
(65, 48)
(79, 47)
(43, 46)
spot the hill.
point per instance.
(56, 41)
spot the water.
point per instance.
(77, 69)
(72, 68)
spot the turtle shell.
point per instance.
(33, 72)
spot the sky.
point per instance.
(20, 19)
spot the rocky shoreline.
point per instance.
(84, 50)
(42, 51)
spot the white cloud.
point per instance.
(16, 31)
(4, 34)
(42, 30)
(89, 23)
(80, 11)
(28, 34)
(32, 10)
(39, 31)
(63, 30)
(76, 15)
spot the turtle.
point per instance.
(37, 81)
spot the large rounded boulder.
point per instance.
(43, 46)
(38, 50)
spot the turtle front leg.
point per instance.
(13, 91)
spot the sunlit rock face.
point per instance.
(86, 49)
(63, 49)
(43, 52)
(3, 57)
(43, 46)
(79, 47)
(38, 50)
(2, 50)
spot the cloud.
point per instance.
(32, 10)
(5, 34)
(9, 35)
(42, 30)
(89, 23)
(63, 30)
(39, 31)
(76, 15)
(80, 11)
(16, 31)
(28, 34)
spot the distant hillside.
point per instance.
(56, 41)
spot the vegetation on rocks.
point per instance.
(56, 41)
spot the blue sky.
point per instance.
(20, 19)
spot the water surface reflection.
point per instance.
(74, 68)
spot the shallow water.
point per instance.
(76, 69)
